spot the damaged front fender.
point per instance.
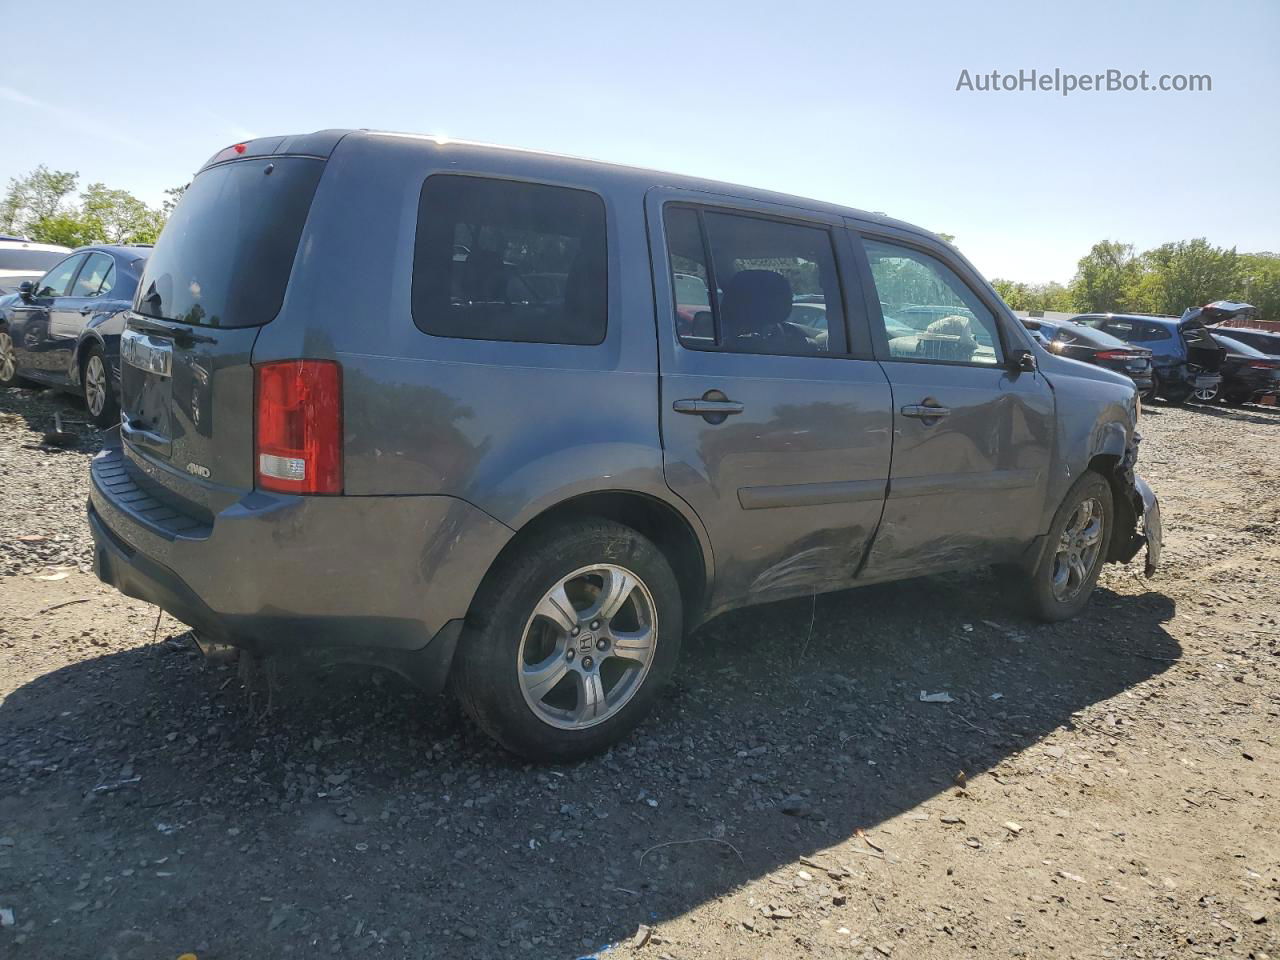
(1137, 514)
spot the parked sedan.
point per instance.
(1184, 354)
(1078, 342)
(64, 329)
(1268, 341)
(1247, 373)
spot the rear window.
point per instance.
(505, 260)
(225, 255)
(37, 261)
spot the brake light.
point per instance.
(1263, 365)
(1116, 355)
(298, 442)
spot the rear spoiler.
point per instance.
(319, 145)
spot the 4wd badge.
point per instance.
(197, 470)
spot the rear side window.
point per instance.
(225, 255)
(747, 284)
(93, 275)
(506, 260)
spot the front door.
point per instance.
(31, 319)
(68, 315)
(775, 429)
(973, 436)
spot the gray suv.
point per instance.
(519, 422)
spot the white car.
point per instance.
(25, 260)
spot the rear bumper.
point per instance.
(377, 579)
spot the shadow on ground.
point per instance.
(153, 813)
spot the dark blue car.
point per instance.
(1184, 355)
(64, 329)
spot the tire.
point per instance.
(98, 390)
(8, 360)
(1043, 600)
(1177, 396)
(1208, 394)
(554, 712)
(1235, 399)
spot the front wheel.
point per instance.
(569, 640)
(1062, 582)
(1207, 394)
(99, 394)
(8, 360)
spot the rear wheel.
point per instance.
(1235, 399)
(8, 360)
(1176, 396)
(1062, 582)
(569, 640)
(1207, 394)
(99, 393)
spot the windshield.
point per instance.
(225, 255)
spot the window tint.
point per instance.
(57, 281)
(929, 312)
(503, 260)
(776, 289)
(226, 253)
(95, 271)
(1153, 332)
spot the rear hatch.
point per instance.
(1204, 354)
(217, 275)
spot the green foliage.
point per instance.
(1170, 278)
(39, 205)
(1035, 296)
(1105, 277)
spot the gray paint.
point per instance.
(454, 446)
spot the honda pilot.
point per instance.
(519, 422)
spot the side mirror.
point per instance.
(25, 289)
(1022, 361)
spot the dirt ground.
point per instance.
(1102, 788)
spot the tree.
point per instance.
(117, 216)
(1105, 277)
(1260, 282)
(39, 206)
(40, 195)
(1189, 273)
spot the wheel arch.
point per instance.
(88, 339)
(684, 546)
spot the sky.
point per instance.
(855, 103)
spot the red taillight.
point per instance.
(1263, 365)
(239, 148)
(1116, 355)
(298, 445)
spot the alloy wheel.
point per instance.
(1206, 394)
(588, 646)
(8, 360)
(95, 385)
(1078, 550)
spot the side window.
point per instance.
(97, 270)
(57, 281)
(747, 284)
(505, 260)
(1151, 332)
(929, 312)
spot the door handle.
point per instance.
(925, 411)
(703, 407)
(85, 311)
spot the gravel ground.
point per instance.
(1102, 788)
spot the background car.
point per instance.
(1268, 341)
(1078, 342)
(1247, 373)
(63, 330)
(22, 259)
(1184, 356)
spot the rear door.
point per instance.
(216, 276)
(973, 437)
(775, 428)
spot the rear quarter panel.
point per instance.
(512, 428)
